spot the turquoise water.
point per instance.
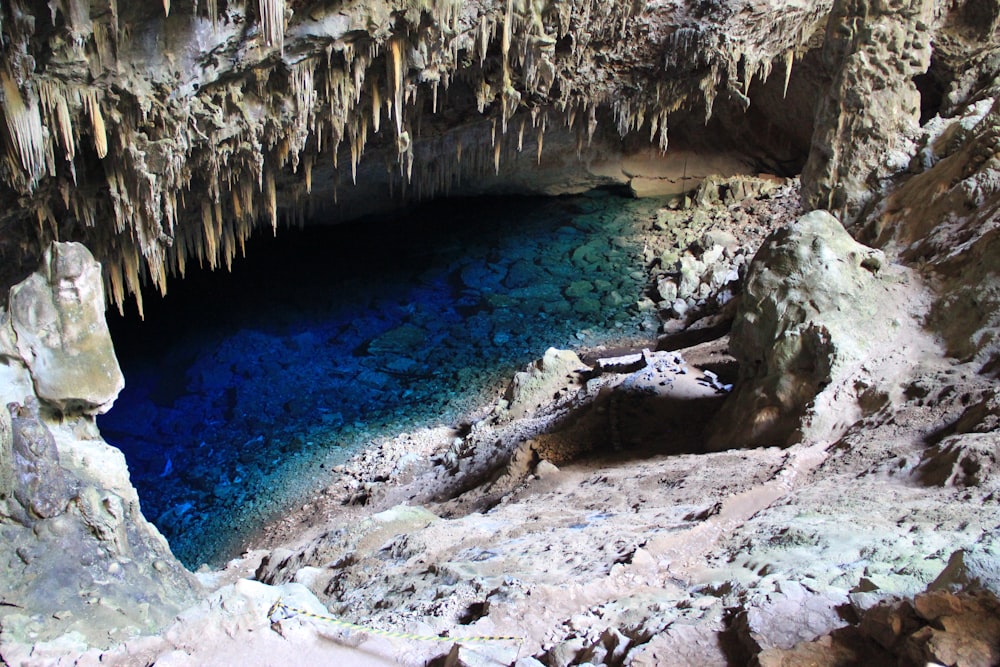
(244, 389)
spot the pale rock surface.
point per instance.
(870, 115)
(57, 316)
(816, 306)
(84, 568)
(535, 386)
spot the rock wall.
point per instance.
(79, 557)
(872, 109)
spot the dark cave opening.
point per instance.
(243, 389)
(932, 88)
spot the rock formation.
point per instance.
(596, 524)
(816, 307)
(57, 321)
(81, 560)
(166, 134)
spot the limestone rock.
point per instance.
(934, 629)
(57, 314)
(815, 302)
(544, 378)
(869, 114)
(964, 460)
(6, 457)
(970, 569)
(39, 484)
(794, 615)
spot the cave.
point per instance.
(328, 337)
(521, 333)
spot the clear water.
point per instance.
(243, 389)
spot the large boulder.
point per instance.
(542, 380)
(57, 316)
(816, 307)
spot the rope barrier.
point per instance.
(294, 611)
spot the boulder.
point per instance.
(973, 569)
(814, 305)
(533, 387)
(57, 315)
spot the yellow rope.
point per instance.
(292, 611)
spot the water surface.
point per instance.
(244, 389)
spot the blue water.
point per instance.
(243, 389)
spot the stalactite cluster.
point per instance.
(167, 136)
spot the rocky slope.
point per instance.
(851, 517)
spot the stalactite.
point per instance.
(24, 127)
(97, 121)
(484, 39)
(789, 61)
(272, 22)
(396, 73)
(272, 200)
(213, 12)
(541, 138)
(166, 7)
(117, 284)
(208, 227)
(130, 260)
(53, 100)
(506, 89)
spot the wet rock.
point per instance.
(57, 314)
(402, 339)
(578, 289)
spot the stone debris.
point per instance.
(936, 628)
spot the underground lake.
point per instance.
(244, 389)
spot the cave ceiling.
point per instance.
(165, 133)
